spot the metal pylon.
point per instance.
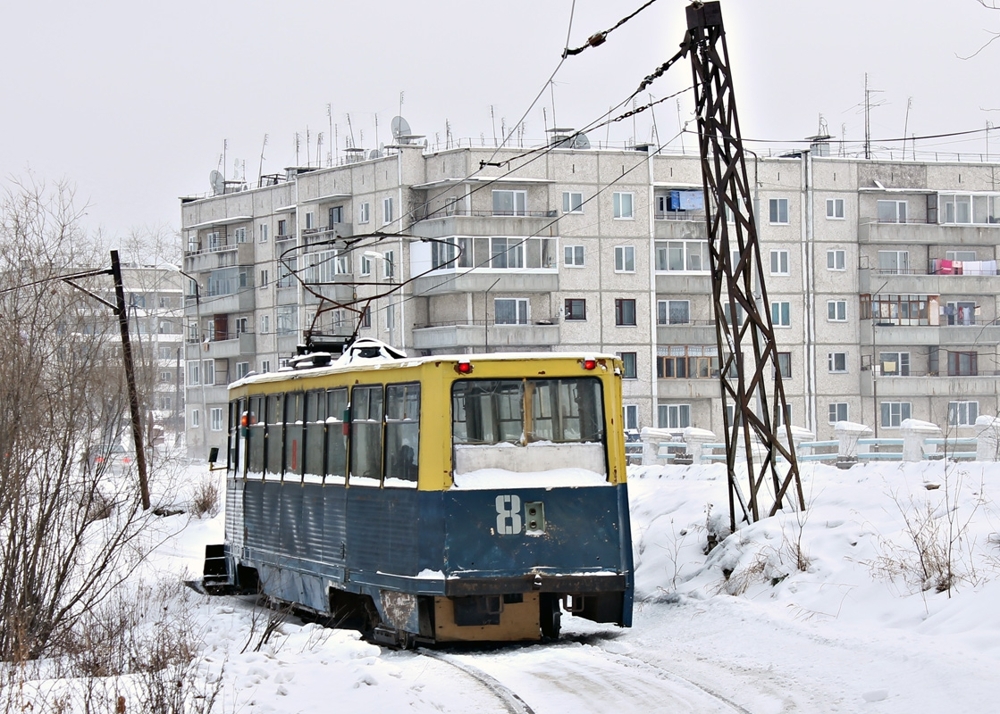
(748, 357)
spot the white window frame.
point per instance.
(522, 311)
(834, 409)
(963, 413)
(364, 212)
(265, 366)
(389, 265)
(900, 260)
(836, 259)
(366, 266)
(215, 419)
(832, 360)
(265, 324)
(836, 310)
(781, 313)
(574, 256)
(263, 279)
(663, 312)
(834, 209)
(193, 373)
(779, 262)
(208, 372)
(241, 234)
(674, 416)
(904, 411)
(626, 358)
(518, 202)
(901, 360)
(630, 416)
(689, 251)
(623, 205)
(195, 419)
(572, 202)
(310, 220)
(387, 217)
(242, 369)
(262, 230)
(624, 259)
(962, 255)
(777, 211)
(899, 210)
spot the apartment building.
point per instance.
(881, 275)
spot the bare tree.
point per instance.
(68, 518)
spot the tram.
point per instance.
(431, 499)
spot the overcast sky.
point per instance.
(132, 102)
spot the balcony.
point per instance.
(316, 235)
(690, 227)
(486, 223)
(477, 335)
(693, 332)
(929, 335)
(494, 281)
(871, 231)
(932, 385)
(242, 301)
(683, 283)
(689, 388)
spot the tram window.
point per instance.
(366, 432)
(402, 431)
(255, 436)
(235, 409)
(315, 432)
(275, 436)
(294, 415)
(336, 440)
(559, 410)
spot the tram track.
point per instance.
(512, 703)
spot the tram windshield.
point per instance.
(525, 411)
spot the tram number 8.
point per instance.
(509, 514)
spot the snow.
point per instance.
(485, 479)
(828, 610)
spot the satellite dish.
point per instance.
(374, 154)
(581, 142)
(218, 182)
(400, 129)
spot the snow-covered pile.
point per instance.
(882, 596)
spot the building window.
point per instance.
(740, 315)
(631, 414)
(387, 210)
(242, 369)
(510, 203)
(838, 412)
(263, 279)
(572, 202)
(366, 317)
(194, 374)
(576, 309)
(366, 266)
(690, 362)
(962, 413)
(265, 324)
(962, 255)
(778, 210)
(623, 205)
(894, 364)
(506, 253)
(893, 413)
(335, 215)
(282, 228)
(624, 259)
(241, 235)
(894, 262)
(836, 362)
(629, 368)
(963, 364)
(835, 209)
(891, 211)
(836, 260)
(779, 262)
(624, 312)
(784, 415)
(785, 364)
(364, 212)
(265, 366)
(674, 416)
(216, 417)
(310, 220)
(262, 232)
(682, 255)
(510, 311)
(195, 418)
(781, 314)
(673, 312)
(573, 256)
(208, 372)
(836, 310)
(960, 313)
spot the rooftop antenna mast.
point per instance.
(329, 116)
(906, 124)
(351, 129)
(225, 148)
(749, 372)
(297, 142)
(308, 156)
(493, 121)
(868, 113)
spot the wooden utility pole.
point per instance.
(133, 394)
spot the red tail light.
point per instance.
(464, 367)
(589, 364)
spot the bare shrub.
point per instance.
(205, 500)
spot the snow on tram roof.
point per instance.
(341, 365)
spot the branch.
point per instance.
(988, 43)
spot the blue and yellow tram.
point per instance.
(433, 499)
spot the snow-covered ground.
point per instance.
(843, 608)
